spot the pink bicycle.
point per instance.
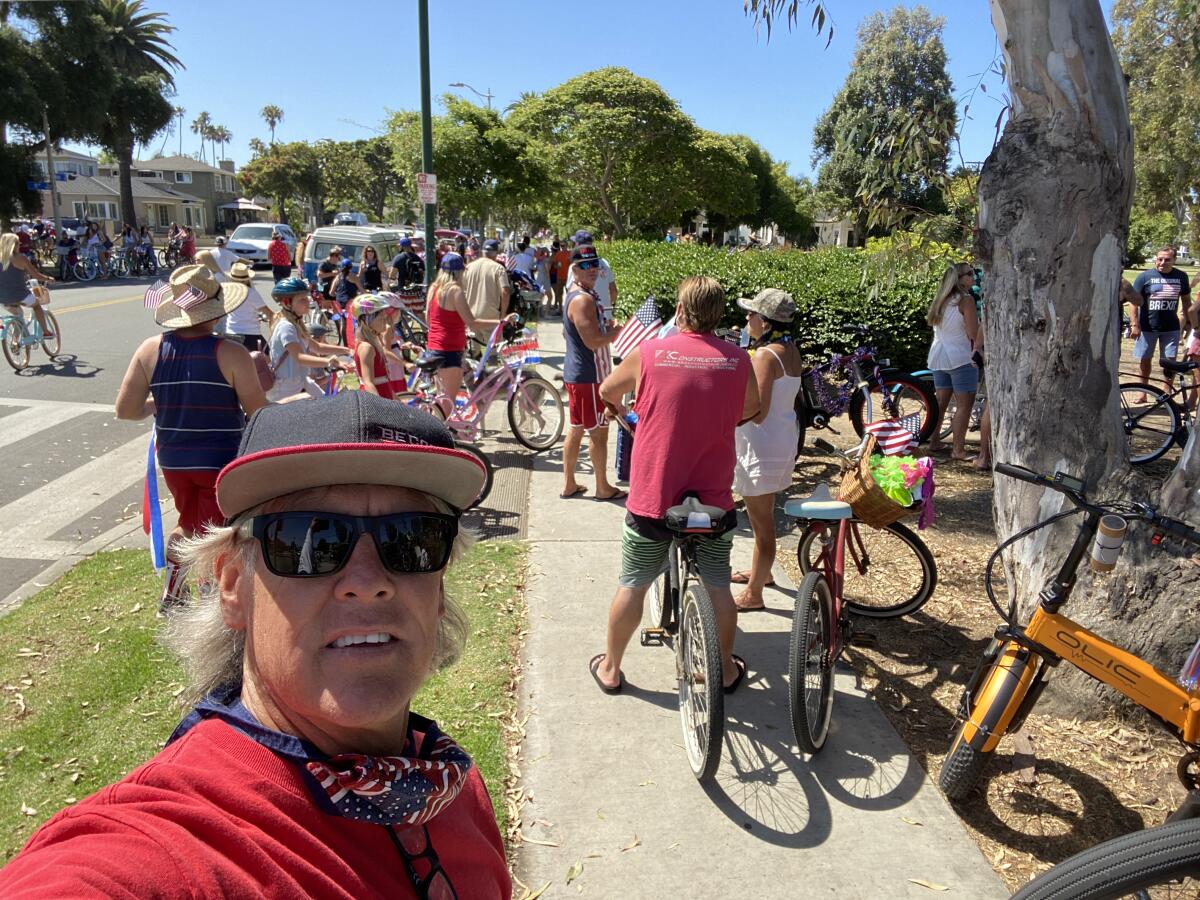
(535, 407)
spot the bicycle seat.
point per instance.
(820, 505)
(427, 363)
(693, 517)
(1170, 365)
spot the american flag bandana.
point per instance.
(895, 436)
(641, 325)
(159, 292)
(381, 790)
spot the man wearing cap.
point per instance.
(587, 362)
(199, 388)
(486, 285)
(302, 770)
(223, 255)
(407, 268)
(606, 284)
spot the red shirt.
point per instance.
(379, 372)
(278, 254)
(690, 398)
(217, 815)
(447, 330)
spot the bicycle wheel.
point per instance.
(15, 352)
(889, 571)
(701, 689)
(905, 396)
(1166, 857)
(662, 593)
(488, 476)
(150, 264)
(51, 346)
(86, 269)
(535, 413)
(1150, 425)
(961, 769)
(948, 419)
(810, 669)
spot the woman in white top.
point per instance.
(955, 330)
(766, 445)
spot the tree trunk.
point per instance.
(1053, 217)
(125, 173)
(281, 211)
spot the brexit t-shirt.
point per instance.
(1160, 299)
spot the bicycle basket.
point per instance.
(870, 504)
(523, 350)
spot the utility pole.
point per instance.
(427, 140)
(50, 174)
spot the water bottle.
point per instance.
(1189, 675)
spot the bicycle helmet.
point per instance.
(367, 305)
(452, 262)
(289, 286)
(390, 299)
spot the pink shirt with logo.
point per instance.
(690, 398)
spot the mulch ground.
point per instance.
(1060, 786)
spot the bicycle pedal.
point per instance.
(864, 639)
(652, 637)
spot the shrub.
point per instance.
(832, 287)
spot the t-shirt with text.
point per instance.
(1160, 299)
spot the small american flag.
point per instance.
(641, 325)
(895, 436)
(160, 292)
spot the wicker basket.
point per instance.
(870, 504)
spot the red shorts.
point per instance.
(195, 493)
(586, 407)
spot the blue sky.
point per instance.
(324, 62)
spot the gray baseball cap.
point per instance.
(771, 303)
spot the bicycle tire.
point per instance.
(663, 593)
(16, 353)
(701, 699)
(52, 346)
(1151, 432)
(961, 768)
(874, 586)
(1123, 865)
(489, 473)
(948, 419)
(809, 661)
(526, 406)
(911, 395)
(86, 269)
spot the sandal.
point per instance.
(567, 495)
(737, 682)
(744, 578)
(594, 667)
(618, 494)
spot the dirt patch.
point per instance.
(1062, 785)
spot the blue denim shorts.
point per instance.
(963, 380)
(1167, 342)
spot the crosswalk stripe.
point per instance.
(31, 420)
(55, 404)
(31, 520)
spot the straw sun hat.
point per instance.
(192, 296)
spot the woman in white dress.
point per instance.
(766, 445)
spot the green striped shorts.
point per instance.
(643, 559)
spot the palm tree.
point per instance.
(143, 64)
(222, 136)
(272, 115)
(179, 111)
(257, 147)
(202, 125)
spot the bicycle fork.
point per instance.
(1000, 693)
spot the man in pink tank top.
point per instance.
(692, 391)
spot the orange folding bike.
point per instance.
(1012, 673)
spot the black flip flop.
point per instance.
(619, 495)
(579, 489)
(594, 665)
(737, 682)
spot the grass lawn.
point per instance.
(88, 694)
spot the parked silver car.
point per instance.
(250, 241)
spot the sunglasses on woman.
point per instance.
(314, 544)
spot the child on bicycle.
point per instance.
(380, 371)
(292, 347)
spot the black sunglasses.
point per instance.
(415, 847)
(588, 264)
(314, 544)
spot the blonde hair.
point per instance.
(946, 290)
(446, 278)
(212, 653)
(8, 246)
(701, 303)
(285, 313)
(364, 333)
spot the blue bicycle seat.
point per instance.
(820, 505)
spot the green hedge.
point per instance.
(831, 288)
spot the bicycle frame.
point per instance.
(832, 566)
(26, 323)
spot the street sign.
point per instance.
(60, 176)
(38, 185)
(427, 188)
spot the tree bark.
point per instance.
(1053, 217)
(125, 173)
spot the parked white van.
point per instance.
(352, 239)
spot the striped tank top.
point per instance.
(197, 414)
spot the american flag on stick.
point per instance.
(642, 324)
(895, 436)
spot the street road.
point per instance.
(74, 472)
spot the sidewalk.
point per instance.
(612, 808)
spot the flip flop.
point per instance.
(737, 682)
(594, 665)
(618, 495)
(579, 489)
(744, 578)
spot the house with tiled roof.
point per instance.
(215, 186)
(99, 198)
